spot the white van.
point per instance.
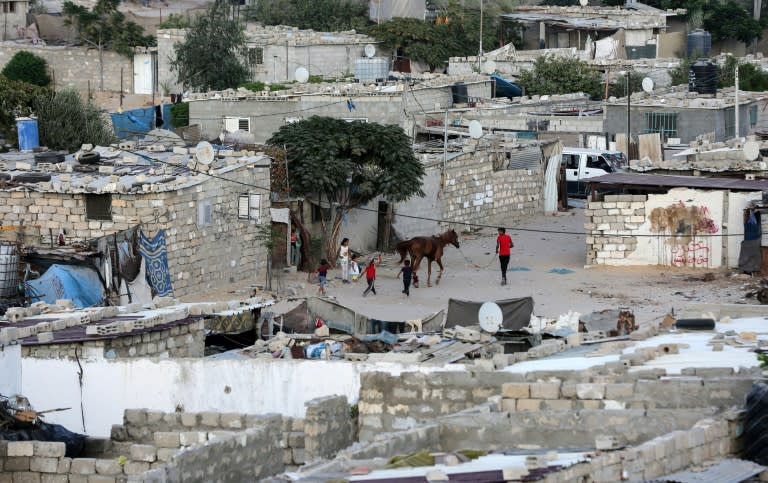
(583, 163)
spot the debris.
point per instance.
(561, 271)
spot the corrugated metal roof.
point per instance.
(667, 181)
(726, 471)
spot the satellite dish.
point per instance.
(648, 85)
(490, 317)
(369, 50)
(204, 152)
(751, 150)
(489, 67)
(301, 75)
(583, 3)
(475, 130)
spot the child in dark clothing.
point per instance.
(322, 272)
(407, 271)
(370, 277)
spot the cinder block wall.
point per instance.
(78, 67)
(610, 226)
(400, 402)
(184, 340)
(328, 427)
(475, 192)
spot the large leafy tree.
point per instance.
(561, 75)
(17, 99)
(66, 121)
(105, 28)
(348, 164)
(730, 20)
(28, 67)
(212, 56)
(320, 15)
(416, 39)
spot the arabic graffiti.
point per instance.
(693, 254)
(683, 224)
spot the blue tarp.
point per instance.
(136, 122)
(79, 284)
(505, 88)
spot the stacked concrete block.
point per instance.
(328, 427)
(611, 226)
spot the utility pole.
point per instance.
(481, 28)
(736, 105)
(629, 128)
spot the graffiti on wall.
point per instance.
(687, 228)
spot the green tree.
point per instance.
(66, 121)
(320, 15)
(561, 75)
(416, 39)
(17, 99)
(680, 74)
(348, 164)
(105, 28)
(730, 20)
(751, 77)
(180, 114)
(619, 88)
(28, 67)
(175, 21)
(212, 56)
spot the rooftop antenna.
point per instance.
(481, 28)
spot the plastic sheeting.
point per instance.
(79, 284)
(550, 181)
(516, 312)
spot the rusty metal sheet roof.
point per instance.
(668, 181)
(77, 333)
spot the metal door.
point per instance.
(142, 73)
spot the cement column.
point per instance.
(542, 35)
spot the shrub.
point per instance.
(180, 114)
(27, 67)
(66, 121)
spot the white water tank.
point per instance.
(370, 69)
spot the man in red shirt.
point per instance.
(503, 249)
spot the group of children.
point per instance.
(370, 275)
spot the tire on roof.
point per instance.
(91, 157)
(49, 157)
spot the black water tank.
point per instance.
(702, 77)
(459, 92)
(699, 43)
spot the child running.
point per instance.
(407, 271)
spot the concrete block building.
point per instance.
(209, 213)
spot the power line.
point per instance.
(464, 223)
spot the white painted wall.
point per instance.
(10, 369)
(256, 386)
(737, 203)
(658, 250)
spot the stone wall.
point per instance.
(238, 255)
(328, 427)
(183, 340)
(77, 67)
(390, 403)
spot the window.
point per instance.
(98, 207)
(318, 212)
(204, 213)
(232, 124)
(249, 207)
(571, 161)
(256, 56)
(597, 162)
(664, 123)
(9, 7)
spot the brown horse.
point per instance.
(430, 247)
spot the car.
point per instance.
(580, 164)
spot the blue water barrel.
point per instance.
(28, 136)
(699, 43)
